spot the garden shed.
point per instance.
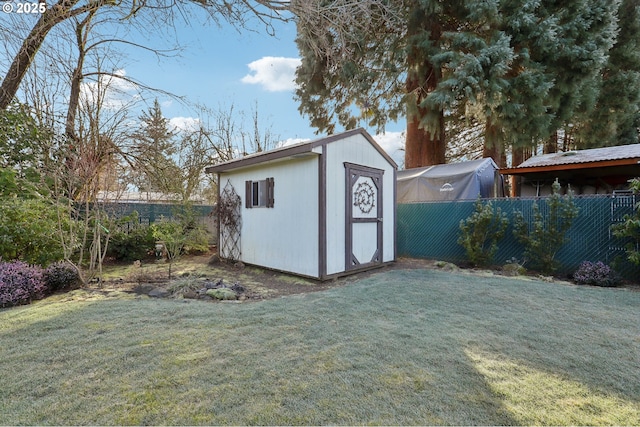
(453, 181)
(321, 209)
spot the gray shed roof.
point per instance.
(293, 150)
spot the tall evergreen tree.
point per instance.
(615, 120)
(529, 68)
(153, 144)
(524, 68)
(377, 72)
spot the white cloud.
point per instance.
(184, 123)
(113, 92)
(274, 74)
(393, 143)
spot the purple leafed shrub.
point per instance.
(20, 283)
(597, 274)
(61, 276)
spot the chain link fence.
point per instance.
(431, 230)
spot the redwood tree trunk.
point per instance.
(551, 145)
(493, 145)
(425, 146)
(422, 148)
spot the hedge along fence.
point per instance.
(148, 213)
(430, 230)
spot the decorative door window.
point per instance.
(363, 216)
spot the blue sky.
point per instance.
(221, 66)
(211, 71)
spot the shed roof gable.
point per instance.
(293, 151)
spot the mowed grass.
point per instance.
(399, 347)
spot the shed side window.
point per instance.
(259, 194)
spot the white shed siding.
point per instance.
(354, 149)
(284, 237)
(300, 236)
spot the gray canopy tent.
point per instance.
(454, 181)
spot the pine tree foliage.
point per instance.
(153, 144)
(615, 120)
(528, 68)
(377, 73)
(524, 69)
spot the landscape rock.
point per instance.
(159, 293)
(208, 284)
(190, 295)
(222, 294)
(238, 288)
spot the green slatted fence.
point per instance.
(148, 213)
(151, 212)
(430, 230)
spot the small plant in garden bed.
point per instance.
(513, 267)
(480, 233)
(133, 242)
(597, 274)
(546, 234)
(185, 285)
(20, 283)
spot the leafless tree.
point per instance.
(221, 135)
(152, 14)
(87, 165)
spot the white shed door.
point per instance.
(363, 216)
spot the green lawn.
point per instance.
(399, 347)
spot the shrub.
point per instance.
(629, 229)
(28, 231)
(20, 283)
(197, 241)
(172, 235)
(513, 267)
(130, 240)
(185, 285)
(480, 233)
(61, 276)
(133, 245)
(196, 235)
(597, 274)
(547, 233)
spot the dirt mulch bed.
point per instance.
(254, 283)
